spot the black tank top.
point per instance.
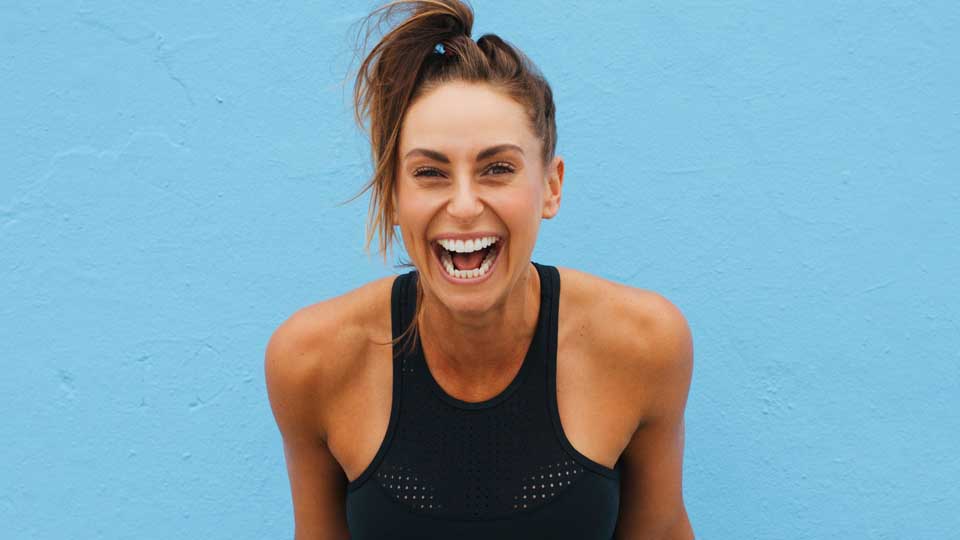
(496, 469)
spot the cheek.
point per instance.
(414, 212)
(517, 207)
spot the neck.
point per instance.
(478, 351)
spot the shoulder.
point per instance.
(314, 355)
(637, 336)
(624, 307)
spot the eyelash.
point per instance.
(501, 165)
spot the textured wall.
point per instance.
(786, 173)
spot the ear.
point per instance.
(554, 185)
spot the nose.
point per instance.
(465, 205)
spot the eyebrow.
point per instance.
(483, 154)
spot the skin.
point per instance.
(624, 354)
(474, 337)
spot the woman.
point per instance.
(473, 397)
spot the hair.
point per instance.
(429, 47)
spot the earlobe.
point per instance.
(551, 209)
(551, 206)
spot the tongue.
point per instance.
(468, 261)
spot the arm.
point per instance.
(651, 491)
(294, 375)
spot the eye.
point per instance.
(503, 167)
(423, 171)
(500, 169)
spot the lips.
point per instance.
(438, 252)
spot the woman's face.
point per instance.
(450, 182)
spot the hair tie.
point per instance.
(440, 49)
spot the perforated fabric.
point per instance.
(500, 468)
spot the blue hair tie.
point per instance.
(439, 48)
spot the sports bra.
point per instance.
(501, 468)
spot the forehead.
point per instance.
(460, 117)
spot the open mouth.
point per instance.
(467, 261)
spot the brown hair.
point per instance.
(407, 63)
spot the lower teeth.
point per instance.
(447, 262)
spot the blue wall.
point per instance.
(786, 174)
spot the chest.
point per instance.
(597, 415)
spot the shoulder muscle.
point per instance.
(652, 483)
(304, 370)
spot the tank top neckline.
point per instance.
(534, 351)
(413, 390)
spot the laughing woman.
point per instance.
(473, 396)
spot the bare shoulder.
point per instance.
(316, 354)
(628, 313)
(636, 334)
(643, 301)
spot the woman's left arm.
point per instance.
(651, 494)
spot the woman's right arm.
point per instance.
(295, 375)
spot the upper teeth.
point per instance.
(461, 246)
